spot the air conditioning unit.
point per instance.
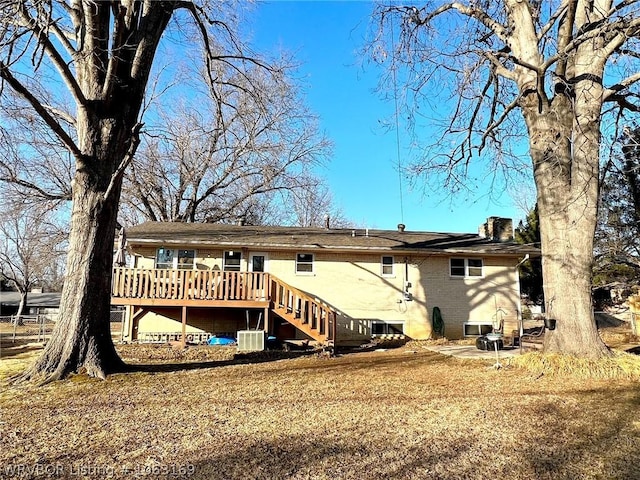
(251, 340)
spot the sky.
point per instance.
(326, 37)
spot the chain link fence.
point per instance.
(38, 328)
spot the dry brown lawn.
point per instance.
(406, 413)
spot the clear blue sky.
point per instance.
(326, 36)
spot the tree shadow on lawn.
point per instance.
(355, 360)
(554, 446)
(9, 348)
(322, 456)
(238, 359)
(605, 320)
(608, 447)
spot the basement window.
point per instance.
(382, 328)
(476, 329)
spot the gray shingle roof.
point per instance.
(48, 299)
(335, 239)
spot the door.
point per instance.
(258, 264)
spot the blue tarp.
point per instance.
(221, 340)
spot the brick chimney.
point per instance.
(497, 229)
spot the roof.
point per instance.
(335, 239)
(49, 299)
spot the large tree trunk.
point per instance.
(567, 245)
(81, 340)
(106, 72)
(565, 154)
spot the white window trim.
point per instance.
(466, 268)
(224, 261)
(313, 264)
(393, 266)
(258, 254)
(195, 258)
(479, 326)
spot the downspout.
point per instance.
(407, 285)
(519, 306)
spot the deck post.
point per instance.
(184, 326)
(267, 321)
(334, 332)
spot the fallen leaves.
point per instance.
(405, 414)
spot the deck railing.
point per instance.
(307, 312)
(189, 284)
(304, 311)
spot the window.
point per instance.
(474, 267)
(476, 329)
(304, 263)
(457, 267)
(465, 267)
(232, 261)
(387, 266)
(186, 259)
(164, 258)
(174, 258)
(387, 328)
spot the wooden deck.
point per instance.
(141, 287)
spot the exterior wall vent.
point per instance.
(251, 340)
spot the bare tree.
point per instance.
(96, 56)
(225, 154)
(31, 247)
(313, 207)
(559, 65)
(617, 240)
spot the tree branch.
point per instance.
(116, 178)
(497, 28)
(60, 64)
(21, 90)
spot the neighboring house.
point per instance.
(38, 303)
(195, 280)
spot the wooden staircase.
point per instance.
(146, 288)
(305, 312)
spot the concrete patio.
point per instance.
(471, 352)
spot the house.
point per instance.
(192, 281)
(38, 303)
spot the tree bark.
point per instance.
(564, 140)
(111, 73)
(564, 151)
(81, 340)
(21, 305)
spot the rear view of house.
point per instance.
(330, 285)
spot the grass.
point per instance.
(404, 413)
